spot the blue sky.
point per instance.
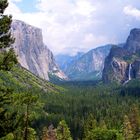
(70, 26)
(27, 5)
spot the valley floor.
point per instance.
(101, 106)
(85, 110)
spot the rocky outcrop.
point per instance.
(87, 66)
(123, 63)
(136, 69)
(32, 53)
(115, 70)
(133, 42)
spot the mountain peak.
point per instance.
(133, 42)
(122, 65)
(135, 31)
(22, 24)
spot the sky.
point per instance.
(71, 26)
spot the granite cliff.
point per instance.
(32, 53)
(123, 63)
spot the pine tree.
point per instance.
(7, 119)
(7, 56)
(3, 5)
(63, 132)
(127, 129)
(28, 101)
(7, 60)
(90, 124)
(135, 122)
(102, 134)
(5, 24)
(102, 124)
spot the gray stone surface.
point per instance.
(32, 53)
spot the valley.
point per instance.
(107, 105)
(84, 95)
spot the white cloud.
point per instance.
(132, 11)
(70, 26)
(84, 7)
(90, 39)
(12, 8)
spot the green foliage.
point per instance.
(102, 134)
(63, 132)
(7, 123)
(94, 132)
(26, 105)
(127, 129)
(102, 124)
(3, 5)
(5, 24)
(7, 56)
(19, 79)
(27, 89)
(107, 104)
(9, 136)
(75, 105)
(135, 121)
(132, 88)
(90, 124)
(8, 60)
(31, 134)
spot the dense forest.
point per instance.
(34, 109)
(84, 110)
(94, 111)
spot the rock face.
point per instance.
(64, 61)
(115, 69)
(123, 63)
(32, 53)
(133, 42)
(87, 66)
(136, 69)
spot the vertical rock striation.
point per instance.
(32, 53)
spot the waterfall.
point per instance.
(129, 74)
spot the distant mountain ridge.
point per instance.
(32, 53)
(64, 60)
(87, 66)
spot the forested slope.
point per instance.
(19, 78)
